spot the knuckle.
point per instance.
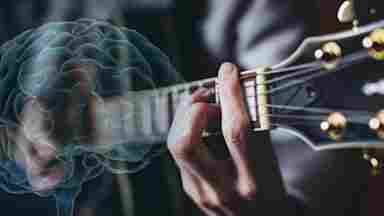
(247, 190)
(243, 123)
(182, 150)
(236, 121)
(214, 200)
(208, 202)
(233, 132)
(229, 85)
(204, 202)
(232, 136)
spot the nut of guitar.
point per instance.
(334, 126)
(330, 54)
(377, 124)
(375, 44)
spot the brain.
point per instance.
(51, 79)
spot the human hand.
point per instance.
(218, 187)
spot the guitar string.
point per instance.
(321, 113)
(313, 109)
(309, 67)
(211, 82)
(292, 83)
(355, 59)
(283, 70)
(286, 107)
(292, 75)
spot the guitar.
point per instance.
(332, 101)
(327, 93)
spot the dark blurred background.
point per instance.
(197, 35)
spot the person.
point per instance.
(254, 33)
(67, 106)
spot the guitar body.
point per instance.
(329, 183)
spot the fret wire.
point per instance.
(161, 120)
(171, 111)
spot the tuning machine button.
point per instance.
(346, 13)
(330, 54)
(334, 126)
(374, 42)
(377, 124)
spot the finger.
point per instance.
(185, 139)
(235, 119)
(191, 185)
(200, 95)
(207, 198)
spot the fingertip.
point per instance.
(227, 69)
(201, 95)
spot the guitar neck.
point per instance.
(155, 108)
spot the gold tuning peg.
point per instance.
(330, 53)
(374, 159)
(335, 125)
(377, 124)
(346, 13)
(374, 42)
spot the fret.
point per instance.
(211, 85)
(161, 117)
(144, 114)
(171, 110)
(249, 91)
(250, 98)
(253, 113)
(178, 96)
(109, 124)
(251, 102)
(128, 115)
(175, 101)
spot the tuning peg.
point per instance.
(374, 159)
(374, 42)
(330, 53)
(377, 124)
(335, 125)
(346, 13)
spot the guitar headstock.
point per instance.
(329, 92)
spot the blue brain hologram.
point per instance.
(67, 101)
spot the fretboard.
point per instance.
(146, 116)
(161, 103)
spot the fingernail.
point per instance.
(201, 92)
(225, 69)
